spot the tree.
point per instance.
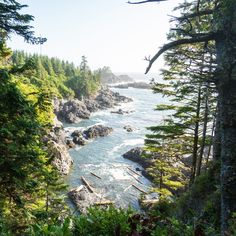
(221, 31)
(11, 21)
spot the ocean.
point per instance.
(103, 156)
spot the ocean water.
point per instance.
(103, 156)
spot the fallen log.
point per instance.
(150, 201)
(139, 189)
(87, 184)
(95, 175)
(127, 188)
(135, 178)
(78, 189)
(134, 172)
(106, 202)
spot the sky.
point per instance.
(108, 32)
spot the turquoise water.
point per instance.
(103, 156)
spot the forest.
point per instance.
(192, 150)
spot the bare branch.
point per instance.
(168, 46)
(147, 1)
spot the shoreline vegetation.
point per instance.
(190, 154)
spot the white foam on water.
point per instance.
(119, 174)
(71, 129)
(133, 142)
(102, 113)
(127, 142)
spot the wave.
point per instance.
(127, 142)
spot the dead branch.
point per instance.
(168, 46)
(146, 1)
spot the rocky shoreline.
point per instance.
(74, 111)
(138, 85)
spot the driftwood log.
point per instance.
(87, 184)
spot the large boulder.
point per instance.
(108, 99)
(61, 158)
(83, 198)
(129, 128)
(97, 131)
(137, 155)
(79, 140)
(92, 105)
(79, 137)
(73, 111)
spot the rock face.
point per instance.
(135, 154)
(72, 111)
(57, 147)
(82, 198)
(62, 160)
(97, 131)
(108, 99)
(107, 77)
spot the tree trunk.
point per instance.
(205, 122)
(217, 137)
(212, 141)
(195, 141)
(226, 57)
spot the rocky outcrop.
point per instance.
(107, 77)
(129, 128)
(97, 131)
(108, 99)
(57, 146)
(61, 158)
(92, 105)
(122, 112)
(137, 155)
(83, 198)
(73, 111)
(138, 85)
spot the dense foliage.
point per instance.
(200, 83)
(60, 78)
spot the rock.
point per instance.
(70, 143)
(107, 77)
(97, 131)
(73, 111)
(138, 169)
(61, 158)
(83, 198)
(138, 85)
(92, 105)
(136, 155)
(121, 112)
(79, 140)
(77, 133)
(57, 146)
(128, 128)
(107, 99)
